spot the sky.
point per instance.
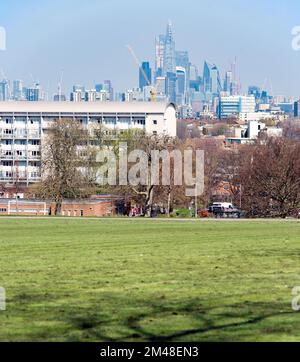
(87, 39)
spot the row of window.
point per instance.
(23, 142)
(8, 174)
(19, 153)
(30, 163)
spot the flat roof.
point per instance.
(83, 107)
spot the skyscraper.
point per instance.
(182, 60)
(160, 42)
(228, 82)
(145, 75)
(211, 80)
(4, 90)
(169, 65)
(181, 87)
(171, 86)
(17, 90)
(109, 89)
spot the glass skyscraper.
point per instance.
(169, 65)
(160, 42)
(145, 75)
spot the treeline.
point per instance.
(263, 178)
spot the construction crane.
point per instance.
(153, 91)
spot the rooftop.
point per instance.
(84, 107)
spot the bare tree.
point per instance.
(65, 163)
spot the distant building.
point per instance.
(181, 85)
(169, 65)
(59, 98)
(254, 91)
(145, 75)
(171, 87)
(228, 82)
(33, 94)
(4, 90)
(18, 90)
(109, 89)
(297, 109)
(23, 126)
(98, 87)
(160, 42)
(212, 85)
(233, 105)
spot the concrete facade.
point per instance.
(23, 124)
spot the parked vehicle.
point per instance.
(224, 210)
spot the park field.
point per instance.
(149, 280)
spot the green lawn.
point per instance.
(145, 280)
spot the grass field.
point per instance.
(149, 280)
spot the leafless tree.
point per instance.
(65, 163)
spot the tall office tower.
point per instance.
(194, 73)
(211, 80)
(216, 85)
(181, 88)
(206, 78)
(145, 75)
(171, 86)
(160, 42)
(228, 82)
(161, 86)
(17, 90)
(169, 54)
(107, 86)
(182, 60)
(4, 90)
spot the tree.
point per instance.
(65, 163)
(271, 181)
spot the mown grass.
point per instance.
(149, 280)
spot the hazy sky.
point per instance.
(87, 39)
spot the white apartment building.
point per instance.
(22, 126)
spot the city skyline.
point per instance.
(263, 51)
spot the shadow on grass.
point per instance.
(154, 322)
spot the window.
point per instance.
(81, 213)
(35, 142)
(8, 142)
(3, 210)
(155, 133)
(7, 163)
(155, 122)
